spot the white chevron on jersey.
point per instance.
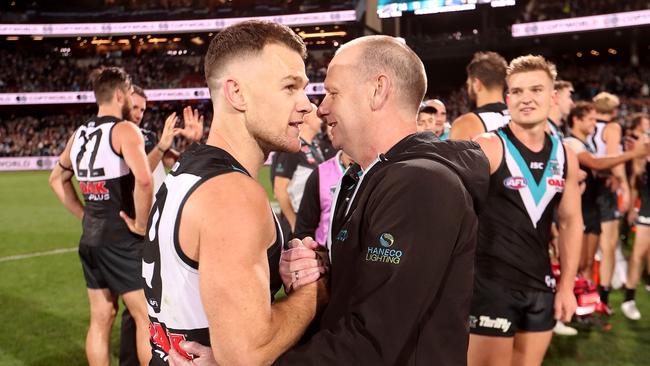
(536, 197)
(94, 142)
(597, 139)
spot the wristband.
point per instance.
(161, 150)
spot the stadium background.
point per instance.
(42, 295)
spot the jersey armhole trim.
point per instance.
(110, 140)
(485, 129)
(177, 244)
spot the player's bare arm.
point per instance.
(466, 127)
(230, 243)
(128, 141)
(570, 227)
(61, 183)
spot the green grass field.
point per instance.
(44, 305)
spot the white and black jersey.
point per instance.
(105, 181)
(171, 278)
(493, 116)
(597, 140)
(515, 227)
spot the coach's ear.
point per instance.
(382, 87)
(233, 92)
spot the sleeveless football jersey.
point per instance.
(105, 181)
(171, 278)
(493, 116)
(515, 226)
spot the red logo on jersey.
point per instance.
(515, 183)
(166, 340)
(555, 182)
(98, 187)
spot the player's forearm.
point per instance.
(282, 329)
(154, 157)
(570, 242)
(142, 195)
(71, 200)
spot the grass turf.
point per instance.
(45, 309)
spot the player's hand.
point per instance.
(134, 227)
(641, 147)
(632, 215)
(193, 122)
(301, 263)
(168, 132)
(202, 355)
(565, 305)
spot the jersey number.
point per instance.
(94, 172)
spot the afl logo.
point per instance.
(386, 240)
(515, 183)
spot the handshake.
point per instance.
(302, 262)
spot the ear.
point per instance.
(554, 98)
(477, 85)
(381, 91)
(119, 95)
(232, 91)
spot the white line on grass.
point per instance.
(39, 254)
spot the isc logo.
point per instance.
(515, 183)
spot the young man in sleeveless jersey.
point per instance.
(106, 155)
(160, 155)
(561, 107)
(210, 261)
(607, 141)
(582, 121)
(486, 81)
(640, 189)
(515, 302)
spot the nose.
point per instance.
(304, 105)
(323, 108)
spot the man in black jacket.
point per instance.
(404, 228)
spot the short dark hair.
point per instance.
(427, 109)
(489, 68)
(247, 38)
(139, 91)
(106, 80)
(579, 111)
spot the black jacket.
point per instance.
(403, 259)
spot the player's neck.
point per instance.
(532, 136)
(555, 116)
(488, 97)
(240, 145)
(604, 117)
(109, 110)
(577, 133)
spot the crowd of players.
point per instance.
(532, 200)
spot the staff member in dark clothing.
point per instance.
(400, 286)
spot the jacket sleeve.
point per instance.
(410, 232)
(309, 211)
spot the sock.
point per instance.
(629, 294)
(604, 294)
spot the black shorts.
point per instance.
(118, 268)
(644, 210)
(591, 217)
(607, 202)
(498, 311)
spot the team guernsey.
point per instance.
(493, 116)
(171, 278)
(515, 227)
(597, 140)
(106, 183)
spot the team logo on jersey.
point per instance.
(95, 191)
(515, 183)
(386, 240)
(557, 183)
(555, 167)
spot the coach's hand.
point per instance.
(202, 355)
(565, 304)
(302, 264)
(132, 224)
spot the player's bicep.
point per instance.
(233, 266)
(132, 149)
(466, 127)
(570, 204)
